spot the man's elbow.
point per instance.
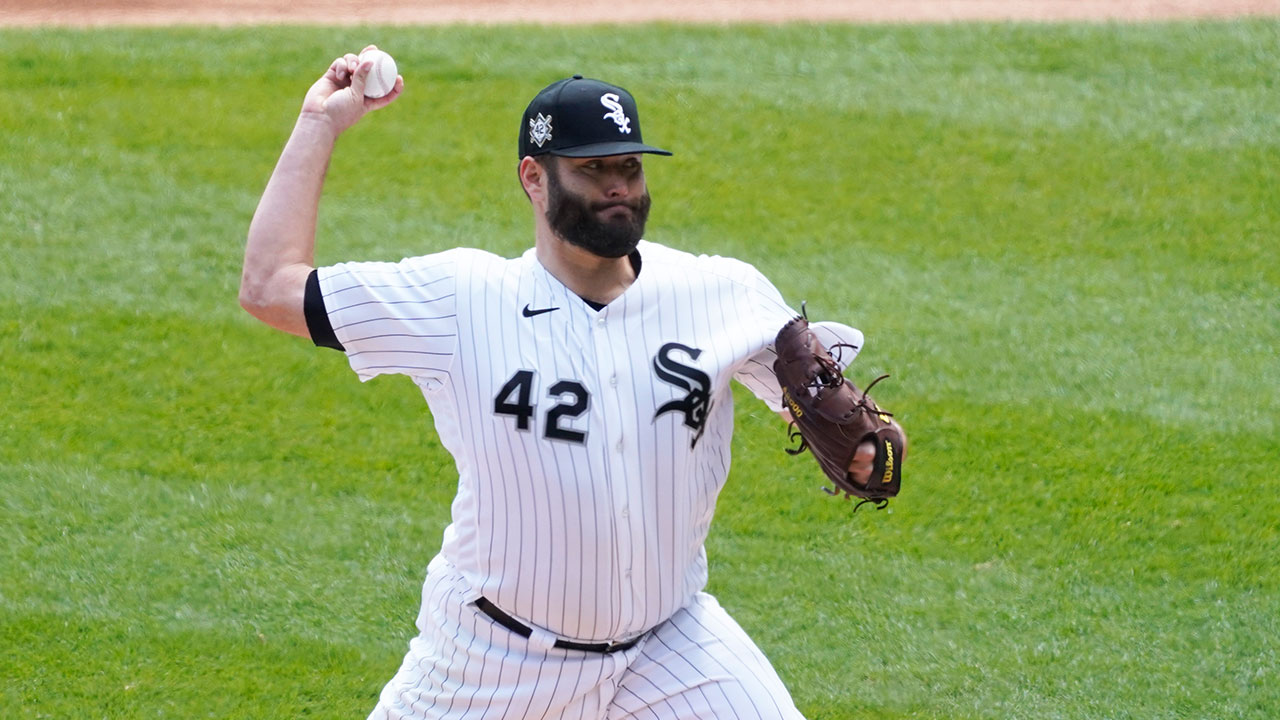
(253, 297)
(263, 300)
(277, 299)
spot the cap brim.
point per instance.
(609, 148)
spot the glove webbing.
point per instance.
(836, 379)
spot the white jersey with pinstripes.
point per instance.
(590, 445)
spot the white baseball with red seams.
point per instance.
(382, 76)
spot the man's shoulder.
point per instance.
(460, 256)
(713, 265)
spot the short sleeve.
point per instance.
(770, 313)
(395, 318)
(756, 373)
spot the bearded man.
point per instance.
(583, 390)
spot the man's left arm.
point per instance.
(844, 343)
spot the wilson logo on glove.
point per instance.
(833, 419)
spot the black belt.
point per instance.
(523, 630)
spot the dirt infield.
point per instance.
(93, 13)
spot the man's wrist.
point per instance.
(317, 125)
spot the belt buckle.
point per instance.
(615, 646)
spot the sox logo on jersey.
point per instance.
(697, 403)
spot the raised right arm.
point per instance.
(280, 251)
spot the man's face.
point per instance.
(599, 204)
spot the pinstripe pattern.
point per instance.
(590, 456)
(698, 665)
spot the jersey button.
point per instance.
(600, 321)
(626, 512)
(618, 447)
(613, 381)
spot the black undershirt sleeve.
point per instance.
(317, 317)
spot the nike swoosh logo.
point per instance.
(530, 313)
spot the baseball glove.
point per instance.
(832, 418)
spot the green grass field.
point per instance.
(1061, 241)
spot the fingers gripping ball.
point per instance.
(382, 76)
(833, 418)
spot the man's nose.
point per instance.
(616, 185)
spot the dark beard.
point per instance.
(575, 220)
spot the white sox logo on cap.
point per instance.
(540, 129)
(616, 114)
(581, 130)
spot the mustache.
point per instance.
(633, 205)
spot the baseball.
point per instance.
(382, 77)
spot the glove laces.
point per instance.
(817, 384)
(820, 383)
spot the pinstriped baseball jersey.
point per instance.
(590, 444)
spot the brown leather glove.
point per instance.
(833, 418)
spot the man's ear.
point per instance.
(533, 177)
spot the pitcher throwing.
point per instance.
(583, 389)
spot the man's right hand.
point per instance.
(338, 96)
(280, 251)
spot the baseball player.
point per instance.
(583, 389)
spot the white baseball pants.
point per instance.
(464, 666)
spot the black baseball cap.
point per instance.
(582, 117)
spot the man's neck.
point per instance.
(587, 275)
